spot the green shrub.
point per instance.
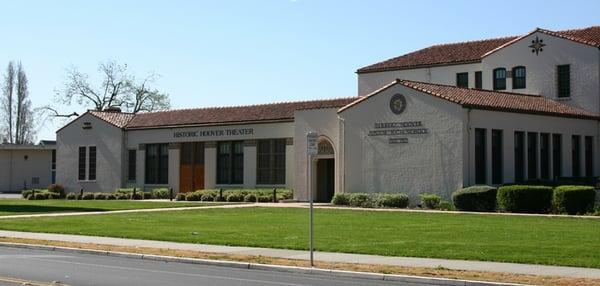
(100, 196)
(71, 196)
(525, 199)
(147, 196)
(250, 198)
(341, 199)
(125, 190)
(161, 193)
(121, 196)
(26, 193)
(58, 189)
(207, 197)
(180, 196)
(476, 199)
(138, 195)
(265, 199)
(361, 200)
(88, 196)
(111, 197)
(446, 206)
(41, 196)
(237, 197)
(391, 200)
(574, 199)
(430, 201)
(193, 196)
(54, 196)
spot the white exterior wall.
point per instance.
(108, 140)
(541, 75)
(18, 172)
(369, 82)
(511, 122)
(428, 163)
(166, 135)
(325, 122)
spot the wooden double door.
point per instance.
(191, 170)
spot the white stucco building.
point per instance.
(482, 112)
(27, 166)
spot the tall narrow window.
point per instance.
(499, 76)
(53, 167)
(557, 155)
(518, 77)
(480, 152)
(131, 165)
(545, 156)
(563, 80)
(82, 164)
(230, 162)
(462, 79)
(92, 163)
(575, 155)
(532, 155)
(519, 156)
(589, 156)
(270, 162)
(157, 164)
(478, 80)
(497, 164)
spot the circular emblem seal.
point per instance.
(398, 103)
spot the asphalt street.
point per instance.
(87, 269)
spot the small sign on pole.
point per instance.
(312, 148)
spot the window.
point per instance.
(563, 75)
(82, 156)
(519, 156)
(497, 160)
(462, 79)
(478, 80)
(499, 76)
(271, 162)
(230, 162)
(556, 155)
(518, 77)
(480, 158)
(575, 155)
(589, 156)
(157, 164)
(545, 156)
(92, 163)
(131, 165)
(532, 155)
(53, 167)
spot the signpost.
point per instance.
(312, 148)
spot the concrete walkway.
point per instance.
(516, 268)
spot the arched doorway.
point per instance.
(325, 171)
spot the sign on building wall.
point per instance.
(311, 143)
(214, 133)
(393, 130)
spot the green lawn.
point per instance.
(539, 240)
(18, 206)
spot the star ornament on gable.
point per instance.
(537, 45)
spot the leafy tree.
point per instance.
(18, 116)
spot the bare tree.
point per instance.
(8, 102)
(24, 125)
(118, 88)
(17, 112)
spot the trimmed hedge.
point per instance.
(476, 199)
(430, 201)
(574, 199)
(525, 199)
(374, 200)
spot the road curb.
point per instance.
(268, 267)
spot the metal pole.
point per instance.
(311, 216)
(170, 194)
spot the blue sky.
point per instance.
(245, 52)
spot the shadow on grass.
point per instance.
(18, 209)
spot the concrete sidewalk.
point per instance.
(516, 268)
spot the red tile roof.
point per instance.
(473, 51)
(227, 115)
(491, 100)
(117, 119)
